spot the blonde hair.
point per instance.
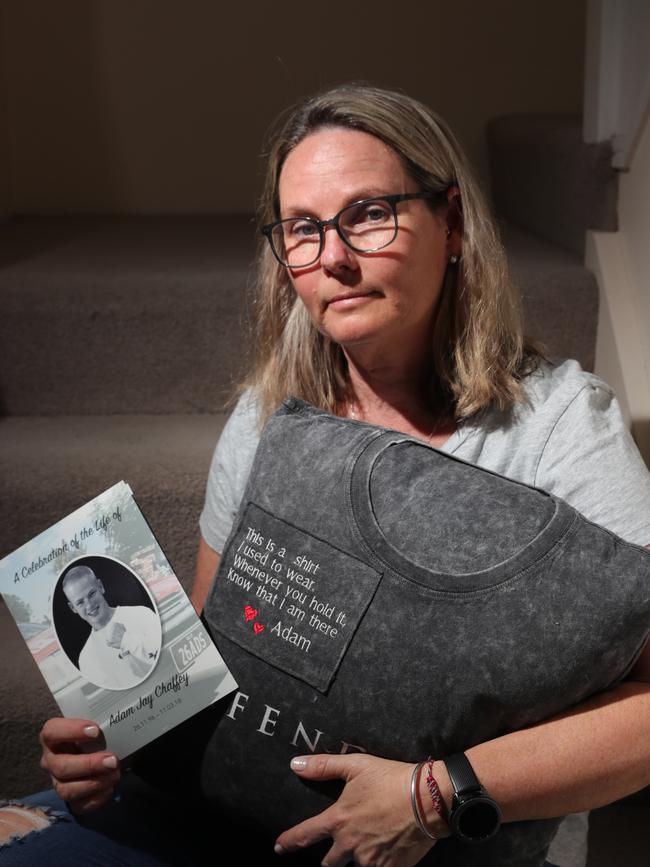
(479, 352)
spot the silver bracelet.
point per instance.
(414, 802)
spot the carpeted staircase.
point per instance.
(122, 337)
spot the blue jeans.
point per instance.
(132, 830)
(141, 827)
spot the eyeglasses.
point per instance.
(365, 226)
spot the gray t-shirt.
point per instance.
(569, 439)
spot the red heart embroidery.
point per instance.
(258, 628)
(250, 613)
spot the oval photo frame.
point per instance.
(117, 651)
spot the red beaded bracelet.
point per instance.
(434, 791)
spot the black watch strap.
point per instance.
(462, 775)
(474, 816)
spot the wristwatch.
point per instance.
(474, 815)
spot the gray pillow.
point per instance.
(376, 594)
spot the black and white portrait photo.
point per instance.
(106, 622)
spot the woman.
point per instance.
(383, 297)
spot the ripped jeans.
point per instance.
(140, 827)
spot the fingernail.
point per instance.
(298, 764)
(91, 731)
(278, 849)
(110, 762)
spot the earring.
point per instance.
(454, 260)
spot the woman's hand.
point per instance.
(372, 822)
(84, 780)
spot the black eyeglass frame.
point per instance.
(321, 225)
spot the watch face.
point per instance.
(477, 819)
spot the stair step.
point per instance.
(51, 466)
(546, 179)
(560, 296)
(122, 315)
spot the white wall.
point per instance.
(617, 79)
(621, 261)
(634, 215)
(153, 106)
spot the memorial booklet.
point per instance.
(109, 625)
